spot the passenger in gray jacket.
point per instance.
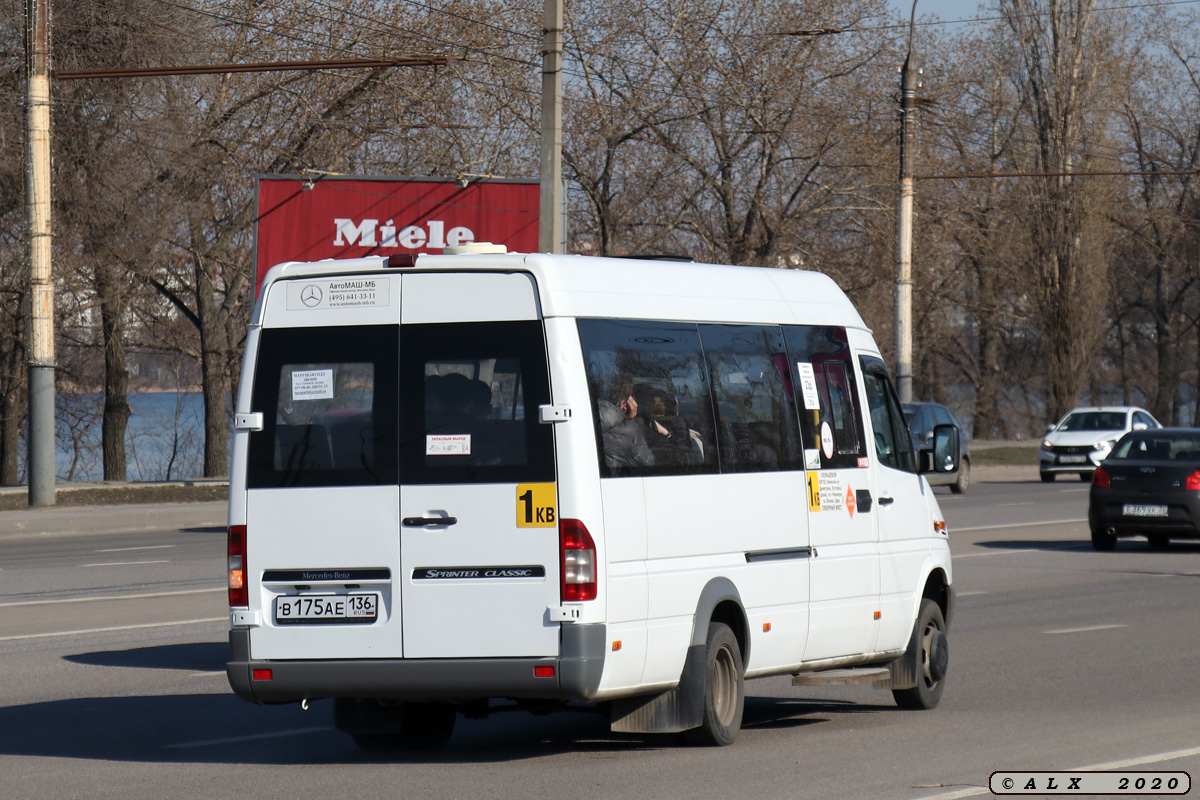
(624, 444)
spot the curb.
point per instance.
(81, 485)
(198, 517)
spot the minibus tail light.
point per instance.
(1193, 481)
(578, 561)
(1102, 480)
(238, 593)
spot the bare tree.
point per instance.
(1058, 49)
(1156, 274)
(973, 126)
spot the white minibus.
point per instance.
(486, 480)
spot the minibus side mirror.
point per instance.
(943, 455)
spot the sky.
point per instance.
(946, 9)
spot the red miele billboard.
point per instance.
(305, 219)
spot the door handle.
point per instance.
(886, 501)
(427, 522)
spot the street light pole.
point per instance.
(40, 463)
(550, 212)
(904, 217)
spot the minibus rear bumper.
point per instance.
(576, 674)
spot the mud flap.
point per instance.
(904, 670)
(673, 711)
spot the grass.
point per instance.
(123, 495)
(1005, 457)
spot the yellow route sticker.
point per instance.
(536, 505)
(814, 491)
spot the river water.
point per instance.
(164, 440)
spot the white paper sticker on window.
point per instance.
(312, 384)
(455, 444)
(808, 385)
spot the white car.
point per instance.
(1085, 437)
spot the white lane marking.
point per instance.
(1154, 758)
(110, 597)
(251, 738)
(124, 563)
(1089, 628)
(1018, 525)
(128, 549)
(210, 674)
(969, 594)
(112, 629)
(992, 553)
(1008, 552)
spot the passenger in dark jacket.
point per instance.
(621, 436)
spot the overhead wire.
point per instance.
(376, 26)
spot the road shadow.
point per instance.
(222, 729)
(208, 529)
(194, 657)
(1064, 545)
(782, 713)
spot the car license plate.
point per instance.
(318, 608)
(1131, 510)
(1072, 459)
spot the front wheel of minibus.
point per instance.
(932, 657)
(724, 689)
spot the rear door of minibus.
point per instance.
(322, 489)
(479, 543)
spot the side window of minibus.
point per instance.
(757, 426)
(823, 373)
(650, 397)
(893, 445)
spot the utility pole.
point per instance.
(550, 208)
(904, 223)
(40, 463)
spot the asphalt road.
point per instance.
(112, 648)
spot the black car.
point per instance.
(922, 419)
(1149, 486)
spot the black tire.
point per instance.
(724, 689)
(1086, 477)
(421, 726)
(427, 726)
(1102, 541)
(964, 478)
(1159, 541)
(1047, 477)
(932, 660)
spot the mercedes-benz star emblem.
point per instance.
(311, 295)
